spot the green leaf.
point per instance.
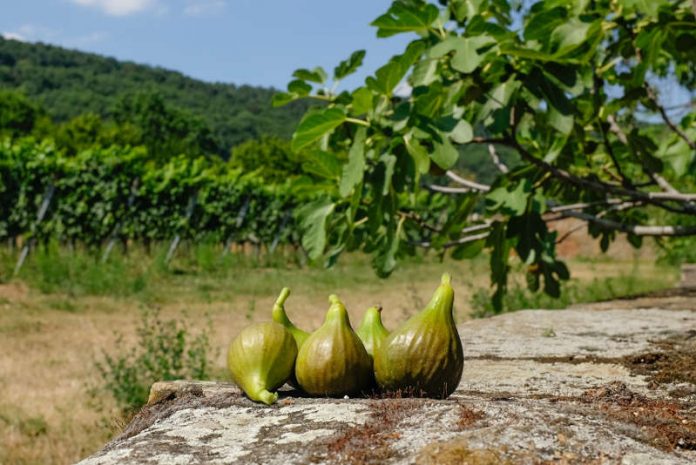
(353, 170)
(299, 87)
(468, 250)
(562, 123)
(389, 162)
(317, 75)
(418, 153)
(424, 73)
(386, 78)
(402, 18)
(462, 132)
(312, 220)
(560, 111)
(465, 9)
(444, 154)
(541, 24)
(323, 164)
(349, 66)
(429, 103)
(647, 7)
(362, 101)
(283, 98)
(511, 202)
(467, 58)
(569, 36)
(443, 47)
(315, 125)
(675, 151)
(385, 260)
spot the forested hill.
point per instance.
(68, 83)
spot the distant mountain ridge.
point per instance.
(68, 83)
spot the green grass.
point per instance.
(202, 273)
(575, 292)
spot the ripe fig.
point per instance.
(371, 330)
(261, 359)
(333, 361)
(279, 316)
(424, 357)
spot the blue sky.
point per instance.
(258, 42)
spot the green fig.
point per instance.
(371, 330)
(333, 361)
(424, 357)
(279, 316)
(261, 359)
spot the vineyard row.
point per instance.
(116, 193)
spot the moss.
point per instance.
(468, 417)
(674, 361)
(666, 425)
(370, 444)
(457, 452)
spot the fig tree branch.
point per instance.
(638, 230)
(663, 113)
(654, 198)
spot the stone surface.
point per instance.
(603, 384)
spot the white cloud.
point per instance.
(118, 7)
(31, 33)
(14, 36)
(203, 7)
(35, 33)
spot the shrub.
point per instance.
(165, 351)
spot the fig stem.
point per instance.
(265, 396)
(283, 296)
(446, 278)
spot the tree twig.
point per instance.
(467, 183)
(448, 189)
(496, 160)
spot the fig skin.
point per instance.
(261, 359)
(371, 330)
(333, 360)
(424, 357)
(280, 317)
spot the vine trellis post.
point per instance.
(177, 239)
(241, 215)
(45, 203)
(117, 229)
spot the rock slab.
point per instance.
(578, 386)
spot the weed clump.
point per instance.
(166, 350)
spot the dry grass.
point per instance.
(49, 342)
